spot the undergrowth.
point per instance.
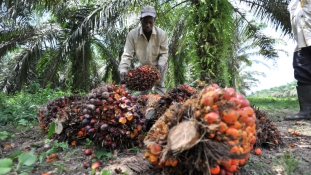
(21, 107)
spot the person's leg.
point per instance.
(160, 87)
(302, 73)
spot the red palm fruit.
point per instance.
(231, 91)
(80, 133)
(234, 101)
(155, 149)
(244, 103)
(211, 117)
(207, 100)
(87, 152)
(96, 165)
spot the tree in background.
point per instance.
(81, 44)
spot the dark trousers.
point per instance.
(302, 66)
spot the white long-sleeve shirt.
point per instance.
(300, 17)
(153, 52)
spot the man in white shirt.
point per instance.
(150, 44)
(300, 17)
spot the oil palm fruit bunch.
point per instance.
(268, 135)
(213, 132)
(49, 112)
(178, 94)
(109, 116)
(142, 78)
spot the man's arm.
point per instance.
(127, 55)
(163, 53)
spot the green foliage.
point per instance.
(51, 130)
(88, 143)
(5, 165)
(103, 154)
(22, 107)
(290, 162)
(209, 37)
(274, 102)
(25, 160)
(77, 45)
(105, 172)
(288, 90)
(136, 149)
(5, 135)
(57, 146)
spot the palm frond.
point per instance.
(274, 11)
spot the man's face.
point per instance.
(147, 23)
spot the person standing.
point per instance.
(150, 44)
(300, 17)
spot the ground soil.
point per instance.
(293, 157)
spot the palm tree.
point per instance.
(66, 49)
(64, 44)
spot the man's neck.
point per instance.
(148, 35)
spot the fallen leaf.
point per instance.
(292, 146)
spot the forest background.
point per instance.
(75, 45)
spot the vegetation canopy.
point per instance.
(75, 45)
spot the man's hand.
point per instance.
(160, 69)
(122, 76)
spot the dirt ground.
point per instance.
(294, 157)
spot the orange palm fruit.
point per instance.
(155, 149)
(226, 163)
(174, 162)
(235, 162)
(211, 117)
(146, 154)
(229, 116)
(122, 120)
(215, 170)
(167, 162)
(237, 125)
(234, 133)
(234, 101)
(249, 110)
(242, 115)
(153, 159)
(232, 168)
(234, 149)
(207, 100)
(258, 151)
(211, 135)
(250, 121)
(242, 162)
(223, 94)
(222, 127)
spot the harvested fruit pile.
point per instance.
(109, 116)
(178, 94)
(268, 136)
(211, 133)
(142, 78)
(154, 105)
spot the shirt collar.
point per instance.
(154, 32)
